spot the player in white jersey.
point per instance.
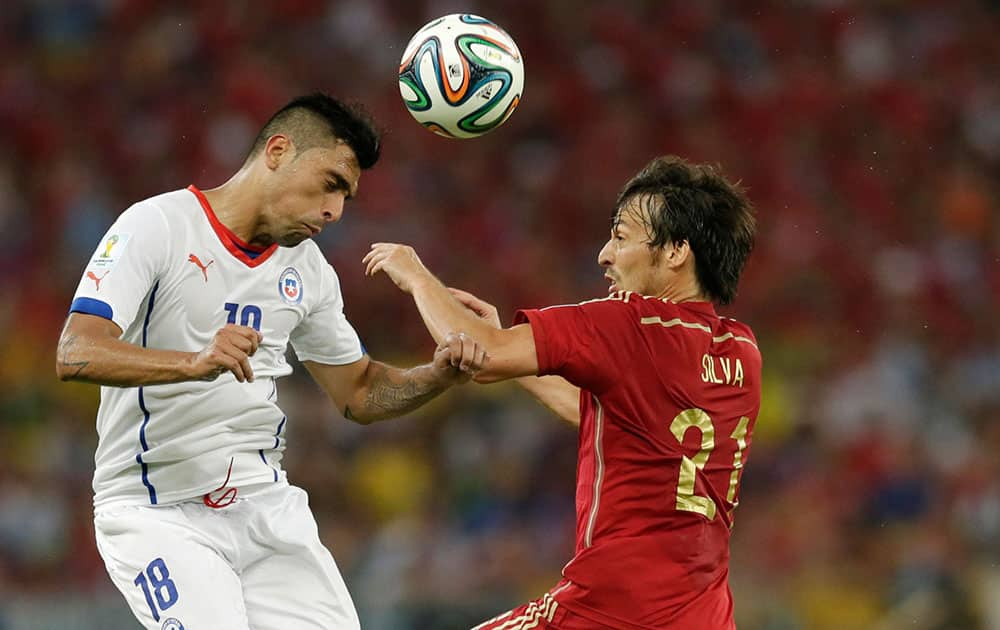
(183, 315)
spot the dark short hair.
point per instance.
(311, 120)
(695, 203)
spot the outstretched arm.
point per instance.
(555, 392)
(90, 350)
(367, 391)
(511, 350)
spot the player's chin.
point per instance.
(292, 239)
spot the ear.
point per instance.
(676, 255)
(279, 148)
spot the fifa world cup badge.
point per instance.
(109, 251)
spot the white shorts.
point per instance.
(257, 563)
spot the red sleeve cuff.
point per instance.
(535, 319)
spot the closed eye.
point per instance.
(336, 183)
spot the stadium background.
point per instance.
(868, 134)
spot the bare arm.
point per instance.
(367, 391)
(90, 350)
(511, 350)
(555, 392)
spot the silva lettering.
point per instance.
(722, 370)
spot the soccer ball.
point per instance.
(461, 76)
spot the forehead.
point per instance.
(632, 215)
(338, 157)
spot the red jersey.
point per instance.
(670, 394)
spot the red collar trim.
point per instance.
(232, 242)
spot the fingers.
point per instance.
(236, 362)
(219, 358)
(465, 298)
(480, 359)
(231, 350)
(452, 344)
(372, 262)
(390, 256)
(455, 342)
(368, 261)
(243, 337)
(375, 259)
(471, 302)
(464, 353)
(483, 309)
(470, 351)
(245, 369)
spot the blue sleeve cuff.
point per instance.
(90, 306)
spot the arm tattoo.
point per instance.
(393, 392)
(65, 346)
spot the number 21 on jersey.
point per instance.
(687, 500)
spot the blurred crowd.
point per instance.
(867, 134)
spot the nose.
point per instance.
(604, 257)
(333, 209)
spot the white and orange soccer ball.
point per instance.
(461, 76)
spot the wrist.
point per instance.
(186, 367)
(421, 281)
(437, 378)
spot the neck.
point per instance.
(685, 292)
(237, 206)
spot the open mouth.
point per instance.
(613, 286)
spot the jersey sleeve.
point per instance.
(583, 343)
(325, 335)
(125, 266)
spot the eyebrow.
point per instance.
(342, 183)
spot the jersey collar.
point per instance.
(230, 241)
(698, 306)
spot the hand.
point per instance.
(230, 349)
(399, 262)
(459, 358)
(483, 309)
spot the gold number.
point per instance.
(740, 435)
(686, 498)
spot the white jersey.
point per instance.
(171, 275)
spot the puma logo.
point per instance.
(197, 261)
(97, 281)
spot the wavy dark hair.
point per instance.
(695, 203)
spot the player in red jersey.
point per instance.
(665, 391)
